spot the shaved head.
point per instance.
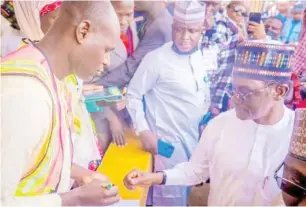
(94, 11)
(88, 31)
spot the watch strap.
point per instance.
(164, 177)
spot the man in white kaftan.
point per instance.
(173, 82)
(241, 149)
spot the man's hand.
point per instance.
(83, 176)
(149, 141)
(119, 106)
(92, 175)
(92, 88)
(137, 178)
(117, 130)
(241, 36)
(94, 193)
(257, 30)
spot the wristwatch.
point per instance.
(164, 177)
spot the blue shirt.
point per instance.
(291, 31)
(281, 17)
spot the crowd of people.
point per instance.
(223, 86)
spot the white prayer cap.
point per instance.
(188, 12)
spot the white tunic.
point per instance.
(176, 98)
(240, 158)
(26, 112)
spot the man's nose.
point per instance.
(185, 34)
(125, 20)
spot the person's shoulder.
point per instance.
(224, 117)
(164, 18)
(214, 131)
(290, 114)
(160, 52)
(10, 43)
(162, 24)
(25, 87)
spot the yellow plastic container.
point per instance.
(117, 162)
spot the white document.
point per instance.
(126, 203)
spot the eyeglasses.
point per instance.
(240, 96)
(240, 10)
(288, 186)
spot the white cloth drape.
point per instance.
(28, 18)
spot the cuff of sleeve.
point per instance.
(144, 126)
(172, 177)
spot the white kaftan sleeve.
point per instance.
(196, 170)
(25, 117)
(142, 82)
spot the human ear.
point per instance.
(282, 91)
(83, 31)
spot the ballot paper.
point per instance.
(125, 203)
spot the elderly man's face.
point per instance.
(250, 98)
(125, 13)
(255, 99)
(274, 26)
(186, 37)
(295, 172)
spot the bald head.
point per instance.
(98, 12)
(88, 31)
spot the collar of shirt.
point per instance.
(176, 50)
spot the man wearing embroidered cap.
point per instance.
(174, 84)
(241, 149)
(291, 175)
